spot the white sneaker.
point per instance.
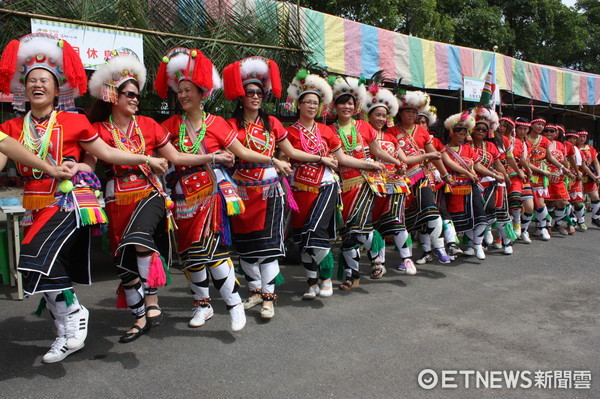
(200, 315)
(238, 317)
(525, 237)
(408, 266)
(479, 253)
(76, 328)
(563, 230)
(488, 238)
(59, 350)
(469, 251)
(508, 250)
(544, 235)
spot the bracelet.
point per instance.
(147, 160)
(320, 158)
(446, 175)
(272, 161)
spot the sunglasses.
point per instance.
(131, 95)
(549, 131)
(459, 130)
(252, 92)
(481, 129)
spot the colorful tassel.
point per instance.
(167, 271)
(121, 298)
(202, 76)
(510, 232)
(156, 274)
(377, 243)
(41, 307)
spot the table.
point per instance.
(13, 213)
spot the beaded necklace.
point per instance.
(200, 133)
(259, 145)
(119, 137)
(348, 146)
(38, 144)
(310, 140)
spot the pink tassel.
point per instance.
(290, 196)
(156, 274)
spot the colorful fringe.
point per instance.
(291, 201)
(41, 307)
(121, 298)
(156, 275)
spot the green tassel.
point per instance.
(69, 296)
(362, 80)
(533, 218)
(41, 307)
(279, 279)
(510, 232)
(341, 265)
(409, 241)
(167, 271)
(494, 225)
(85, 218)
(465, 240)
(339, 221)
(326, 266)
(331, 79)
(444, 225)
(377, 243)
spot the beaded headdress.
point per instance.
(488, 117)
(258, 70)
(461, 119)
(417, 99)
(184, 64)
(304, 83)
(41, 50)
(377, 96)
(120, 66)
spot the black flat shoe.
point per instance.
(155, 321)
(130, 337)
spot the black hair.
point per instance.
(344, 98)
(101, 110)
(521, 119)
(300, 100)
(238, 114)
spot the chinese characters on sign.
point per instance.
(92, 44)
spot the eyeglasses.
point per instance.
(309, 103)
(131, 95)
(254, 92)
(481, 129)
(459, 130)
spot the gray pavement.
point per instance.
(535, 311)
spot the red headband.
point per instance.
(538, 120)
(572, 134)
(582, 133)
(507, 119)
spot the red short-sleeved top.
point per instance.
(254, 136)
(487, 154)
(366, 135)
(69, 130)
(321, 140)
(537, 150)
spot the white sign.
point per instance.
(92, 44)
(473, 87)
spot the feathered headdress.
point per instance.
(258, 70)
(184, 64)
(418, 100)
(305, 82)
(377, 96)
(430, 113)
(41, 50)
(121, 65)
(347, 85)
(487, 116)
(461, 119)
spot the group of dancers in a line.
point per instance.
(233, 183)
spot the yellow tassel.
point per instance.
(304, 187)
(129, 198)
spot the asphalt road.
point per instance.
(535, 310)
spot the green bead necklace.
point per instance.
(193, 149)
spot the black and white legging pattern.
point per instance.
(261, 273)
(223, 277)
